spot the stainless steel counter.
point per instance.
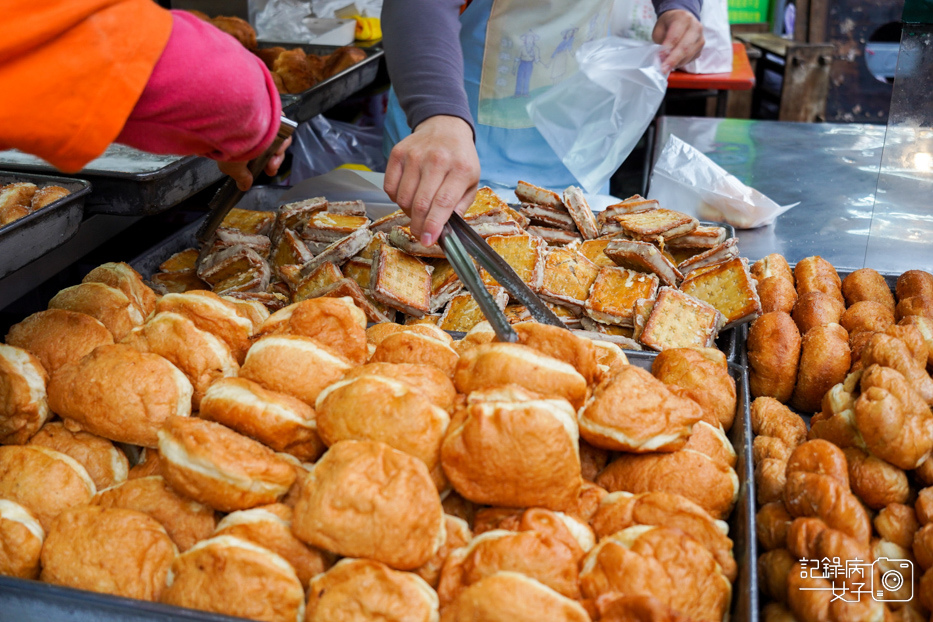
(832, 169)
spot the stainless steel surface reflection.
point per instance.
(832, 169)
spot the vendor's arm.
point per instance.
(679, 31)
(210, 96)
(435, 170)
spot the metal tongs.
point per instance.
(229, 195)
(461, 244)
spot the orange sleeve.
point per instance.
(71, 72)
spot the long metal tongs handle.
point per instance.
(229, 195)
(500, 270)
(463, 265)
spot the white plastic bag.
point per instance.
(594, 119)
(281, 20)
(684, 179)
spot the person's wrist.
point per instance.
(446, 123)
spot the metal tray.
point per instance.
(302, 106)
(32, 236)
(129, 182)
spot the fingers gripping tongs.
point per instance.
(229, 195)
(461, 244)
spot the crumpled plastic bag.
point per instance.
(594, 119)
(322, 144)
(281, 20)
(716, 56)
(686, 180)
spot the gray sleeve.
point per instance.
(423, 55)
(687, 5)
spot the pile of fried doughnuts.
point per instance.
(194, 450)
(855, 483)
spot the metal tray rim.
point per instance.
(40, 213)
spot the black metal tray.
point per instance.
(302, 106)
(32, 236)
(129, 182)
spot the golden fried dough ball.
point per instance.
(857, 343)
(185, 521)
(815, 274)
(802, 536)
(874, 481)
(816, 309)
(621, 510)
(770, 479)
(44, 481)
(269, 530)
(282, 422)
(771, 266)
(362, 589)
(636, 560)
(220, 468)
(771, 418)
(377, 408)
(773, 355)
(819, 456)
(21, 538)
(889, 351)
(252, 310)
(914, 283)
(126, 279)
(913, 338)
(897, 523)
(106, 464)
(808, 594)
(702, 375)
(777, 294)
(120, 393)
(925, 326)
(57, 336)
(112, 551)
(773, 569)
(591, 495)
(867, 315)
(712, 441)
(574, 533)
(821, 496)
(377, 333)
(636, 412)
(711, 485)
(213, 314)
(922, 546)
(512, 597)
(915, 305)
(824, 361)
(235, 577)
(836, 422)
(457, 534)
(294, 365)
(24, 406)
(429, 381)
(237, 28)
(110, 305)
(514, 451)
(416, 348)
(925, 589)
(394, 514)
(771, 525)
(764, 447)
(336, 323)
(894, 422)
(296, 70)
(635, 608)
(924, 506)
(867, 284)
(560, 344)
(199, 355)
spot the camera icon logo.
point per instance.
(892, 580)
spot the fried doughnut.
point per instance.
(924, 506)
(821, 496)
(912, 337)
(819, 456)
(771, 524)
(808, 594)
(777, 294)
(457, 534)
(336, 323)
(771, 266)
(867, 315)
(126, 279)
(874, 481)
(21, 538)
(106, 464)
(214, 465)
(702, 375)
(108, 304)
(889, 351)
(816, 309)
(922, 546)
(773, 568)
(857, 343)
(897, 523)
(867, 284)
(512, 597)
(772, 418)
(213, 314)
(560, 344)
(615, 607)
(815, 274)
(914, 305)
(914, 283)
(924, 472)
(429, 381)
(57, 336)
(773, 356)
(377, 333)
(770, 479)
(764, 447)
(416, 348)
(925, 326)
(24, 406)
(824, 361)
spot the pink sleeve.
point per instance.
(208, 95)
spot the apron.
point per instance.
(512, 51)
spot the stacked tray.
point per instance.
(32, 236)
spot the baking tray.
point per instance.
(32, 236)
(302, 106)
(130, 182)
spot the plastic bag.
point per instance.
(594, 119)
(321, 145)
(281, 20)
(686, 180)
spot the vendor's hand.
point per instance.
(433, 172)
(241, 174)
(681, 35)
